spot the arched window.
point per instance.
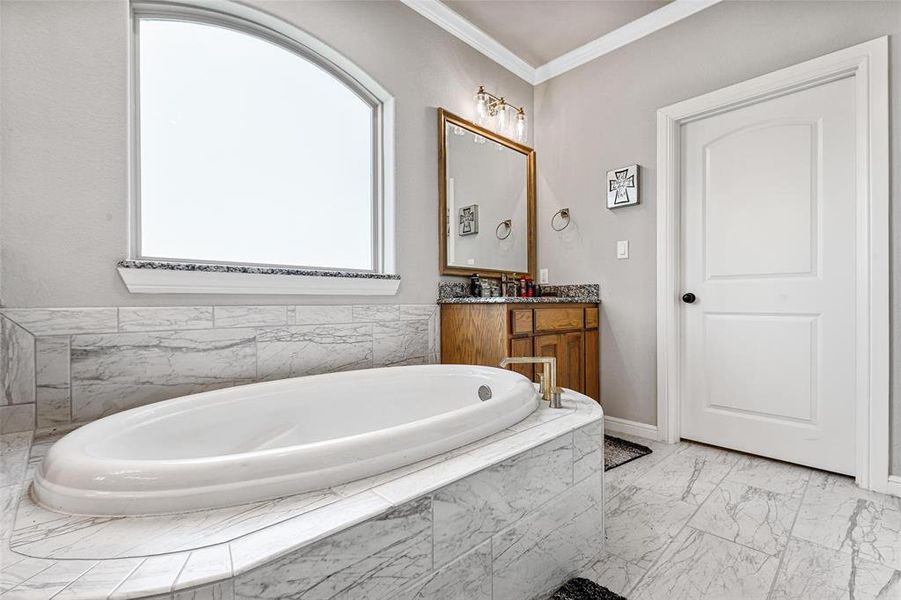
(253, 148)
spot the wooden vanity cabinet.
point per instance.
(484, 334)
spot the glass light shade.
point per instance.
(502, 118)
(520, 127)
(482, 105)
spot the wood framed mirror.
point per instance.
(486, 201)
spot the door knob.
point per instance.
(689, 298)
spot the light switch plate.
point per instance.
(622, 249)
(542, 276)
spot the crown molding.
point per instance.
(439, 13)
(628, 33)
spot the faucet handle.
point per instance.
(541, 383)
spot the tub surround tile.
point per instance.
(471, 510)
(704, 567)
(19, 569)
(313, 349)
(204, 566)
(17, 364)
(754, 517)
(408, 334)
(588, 451)
(218, 591)
(14, 457)
(367, 313)
(101, 580)
(466, 578)
(372, 560)
(250, 316)
(113, 372)
(322, 315)
(17, 417)
(52, 381)
(399, 342)
(155, 575)
(811, 571)
(534, 555)
(164, 318)
(49, 581)
(256, 549)
(46, 534)
(64, 321)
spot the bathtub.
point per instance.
(274, 439)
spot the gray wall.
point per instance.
(602, 115)
(63, 209)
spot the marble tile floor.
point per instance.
(693, 522)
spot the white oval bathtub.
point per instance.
(274, 439)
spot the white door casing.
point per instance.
(768, 249)
(769, 294)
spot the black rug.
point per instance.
(584, 589)
(618, 452)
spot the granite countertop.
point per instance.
(513, 300)
(454, 292)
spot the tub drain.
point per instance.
(484, 392)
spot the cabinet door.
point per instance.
(521, 347)
(571, 374)
(548, 345)
(567, 349)
(592, 365)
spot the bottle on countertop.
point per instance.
(475, 285)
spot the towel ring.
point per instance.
(564, 217)
(508, 224)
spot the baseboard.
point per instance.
(617, 425)
(894, 485)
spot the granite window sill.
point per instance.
(152, 277)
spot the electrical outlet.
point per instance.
(542, 276)
(622, 249)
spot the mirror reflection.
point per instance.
(488, 199)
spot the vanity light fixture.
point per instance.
(496, 113)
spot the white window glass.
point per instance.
(250, 153)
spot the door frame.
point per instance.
(867, 63)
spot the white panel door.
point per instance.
(769, 253)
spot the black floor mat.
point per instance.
(618, 452)
(584, 589)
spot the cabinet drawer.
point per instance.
(591, 318)
(521, 321)
(558, 319)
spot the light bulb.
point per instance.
(520, 126)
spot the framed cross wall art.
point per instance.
(622, 187)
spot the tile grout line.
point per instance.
(789, 538)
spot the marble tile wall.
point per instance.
(516, 530)
(60, 366)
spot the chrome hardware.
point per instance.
(508, 229)
(484, 393)
(548, 378)
(563, 213)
